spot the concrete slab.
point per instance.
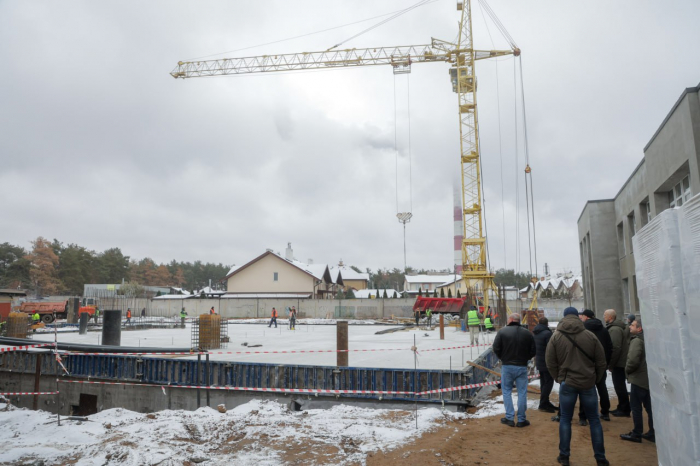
(315, 337)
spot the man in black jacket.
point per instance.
(514, 346)
(596, 326)
(542, 336)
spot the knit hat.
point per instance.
(570, 311)
(631, 317)
(588, 313)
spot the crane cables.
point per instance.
(382, 22)
(393, 13)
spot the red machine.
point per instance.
(439, 305)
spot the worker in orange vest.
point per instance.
(274, 318)
(128, 316)
(212, 311)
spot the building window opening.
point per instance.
(275, 277)
(680, 193)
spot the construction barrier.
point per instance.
(27, 393)
(26, 347)
(292, 390)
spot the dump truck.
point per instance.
(47, 309)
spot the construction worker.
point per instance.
(429, 315)
(183, 316)
(97, 313)
(473, 323)
(212, 311)
(128, 316)
(293, 318)
(488, 325)
(417, 312)
(36, 318)
(273, 318)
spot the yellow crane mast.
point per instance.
(461, 56)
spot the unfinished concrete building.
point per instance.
(667, 176)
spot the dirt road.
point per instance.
(488, 442)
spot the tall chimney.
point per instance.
(289, 254)
(459, 231)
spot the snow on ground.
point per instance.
(258, 432)
(314, 337)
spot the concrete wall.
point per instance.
(600, 266)
(672, 153)
(308, 308)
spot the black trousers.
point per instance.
(602, 396)
(623, 400)
(546, 384)
(640, 397)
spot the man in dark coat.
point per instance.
(542, 336)
(596, 326)
(620, 340)
(514, 346)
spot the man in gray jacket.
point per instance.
(618, 335)
(576, 360)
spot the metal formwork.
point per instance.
(174, 372)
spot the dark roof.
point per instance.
(12, 292)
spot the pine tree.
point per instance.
(395, 295)
(435, 295)
(420, 292)
(442, 292)
(385, 295)
(449, 292)
(349, 294)
(459, 295)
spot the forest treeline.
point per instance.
(55, 268)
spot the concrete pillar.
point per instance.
(84, 317)
(342, 343)
(112, 327)
(442, 327)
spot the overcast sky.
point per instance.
(100, 146)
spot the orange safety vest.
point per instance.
(274, 313)
(128, 314)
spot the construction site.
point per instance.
(284, 361)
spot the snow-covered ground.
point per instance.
(314, 337)
(258, 432)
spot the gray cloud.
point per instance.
(100, 146)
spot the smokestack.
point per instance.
(288, 253)
(459, 231)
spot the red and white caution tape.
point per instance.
(22, 348)
(453, 347)
(195, 353)
(27, 393)
(467, 387)
(245, 389)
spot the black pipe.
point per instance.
(84, 317)
(92, 348)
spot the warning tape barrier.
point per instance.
(27, 393)
(22, 348)
(294, 390)
(467, 387)
(195, 353)
(245, 389)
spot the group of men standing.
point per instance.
(577, 355)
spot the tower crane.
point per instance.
(461, 56)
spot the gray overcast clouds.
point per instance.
(100, 146)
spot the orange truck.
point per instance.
(47, 309)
